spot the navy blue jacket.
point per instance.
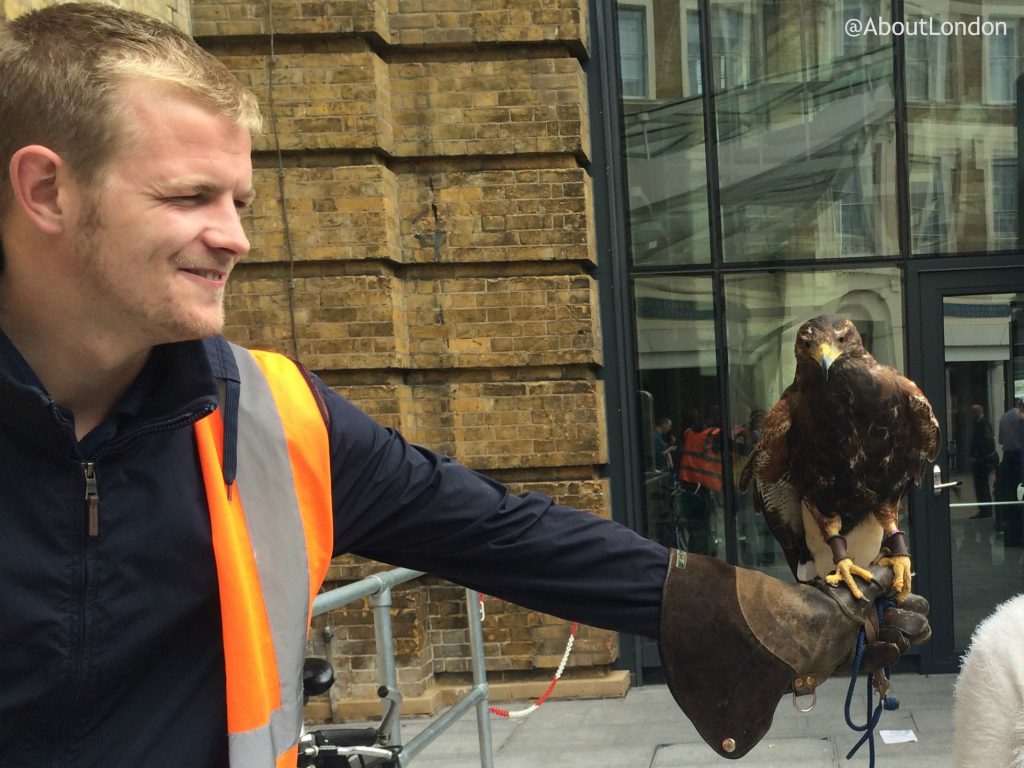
(110, 644)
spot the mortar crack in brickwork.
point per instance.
(434, 238)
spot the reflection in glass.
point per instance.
(664, 133)
(681, 413)
(984, 356)
(763, 312)
(806, 131)
(925, 64)
(1003, 61)
(633, 53)
(963, 118)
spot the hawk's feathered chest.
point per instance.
(850, 440)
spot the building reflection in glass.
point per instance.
(806, 130)
(962, 127)
(681, 413)
(805, 133)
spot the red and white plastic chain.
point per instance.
(517, 713)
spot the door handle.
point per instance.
(937, 484)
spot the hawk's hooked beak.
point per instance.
(826, 356)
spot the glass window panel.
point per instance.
(1003, 65)
(633, 50)
(693, 51)
(981, 357)
(927, 203)
(732, 46)
(854, 10)
(664, 139)
(806, 131)
(962, 129)
(917, 69)
(763, 312)
(680, 411)
(1004, 201)
(925, 63)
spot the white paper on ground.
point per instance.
(897, 737)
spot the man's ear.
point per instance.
(36, 177)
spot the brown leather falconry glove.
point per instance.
(735, 641)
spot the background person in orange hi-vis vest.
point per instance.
(700, 475)
(170, 501)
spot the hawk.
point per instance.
(836, 456)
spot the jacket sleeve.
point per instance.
(407, 506)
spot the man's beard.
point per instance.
(163, 326)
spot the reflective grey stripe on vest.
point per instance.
(267, 490)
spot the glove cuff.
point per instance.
(723, 678)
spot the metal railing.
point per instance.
(378, 589)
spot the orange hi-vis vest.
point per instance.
(272, 540)
(701, 462)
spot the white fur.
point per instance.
(988, 708)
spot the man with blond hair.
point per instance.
(170, 501)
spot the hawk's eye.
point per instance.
(841, 338)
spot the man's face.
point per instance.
(159, 232)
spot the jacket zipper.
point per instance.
(92, 525)
(92, 499)
(92, 494)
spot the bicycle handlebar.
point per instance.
(331, 746)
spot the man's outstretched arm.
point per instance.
(732, 641)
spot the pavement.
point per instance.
(645, 729)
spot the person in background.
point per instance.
(983, 461)
(664, 444)
(1008, 474)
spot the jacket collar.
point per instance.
(225, 372)
(178, 382)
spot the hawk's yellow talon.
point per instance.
(900, 565)
(844, 573)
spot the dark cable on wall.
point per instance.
(281, 185)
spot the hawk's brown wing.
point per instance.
(925, 429)
(774, 496)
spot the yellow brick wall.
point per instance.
(402, 22)
(435, 267)
(439, 248)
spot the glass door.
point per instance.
(966, 330)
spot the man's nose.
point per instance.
(226, 231)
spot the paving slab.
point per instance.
(645, 729)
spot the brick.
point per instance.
(544, 320)
(495, 216)
(291, 17)
(347, 213)
(336, 99)
(469, 21)
(557, 423)
(434, 110)
(366, 333)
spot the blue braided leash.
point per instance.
(874, 714)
